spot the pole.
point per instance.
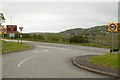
(13, 37)
(21, 33)
(18, 37)
(21, 37)
(112, 43)
(2, 37)
(11, 19)
(2, 41)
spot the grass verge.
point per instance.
(107, 60)
(13, 46)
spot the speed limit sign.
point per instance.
(112, 27)
(2, 29)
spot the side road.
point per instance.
(83, 63)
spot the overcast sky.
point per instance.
(59, 16)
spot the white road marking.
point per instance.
(45, 50)
(53, 47)
(65, 49)
(25, 60)
(35, 51)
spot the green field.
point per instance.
(108, 60)
(11, 46)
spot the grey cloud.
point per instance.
(54, 17)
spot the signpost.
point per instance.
(112, 27)
(2, 31)
(11, 29)
(2, 19)
(21, 28)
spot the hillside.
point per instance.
(82, 31)
(93, 30)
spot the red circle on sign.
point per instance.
(112, 27)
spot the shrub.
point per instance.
(78, 39)
(25, 35)
(40, 37)
(55, 38)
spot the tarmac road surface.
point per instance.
(48, 60)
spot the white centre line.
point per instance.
(52, 47)
(45, 50)
(35, 51)
(25, 60)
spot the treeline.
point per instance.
(53, 37)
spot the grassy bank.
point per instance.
(10, 46)
(108, 60)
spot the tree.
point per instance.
(34, 36)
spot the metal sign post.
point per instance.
(112, 42)
(21, 28)
(2, 30)
(21, 37)
(18, 37)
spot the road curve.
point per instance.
(47, 60)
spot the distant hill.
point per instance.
(75, 30)
(80, 31)
(93, 30)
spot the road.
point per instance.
(47, 60)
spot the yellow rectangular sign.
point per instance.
(112, 27)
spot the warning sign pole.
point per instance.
(18, 37)
(21, 28)
(112, 42)
(2, 37)
(112, 28)
(2, 40)
(21, 37)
